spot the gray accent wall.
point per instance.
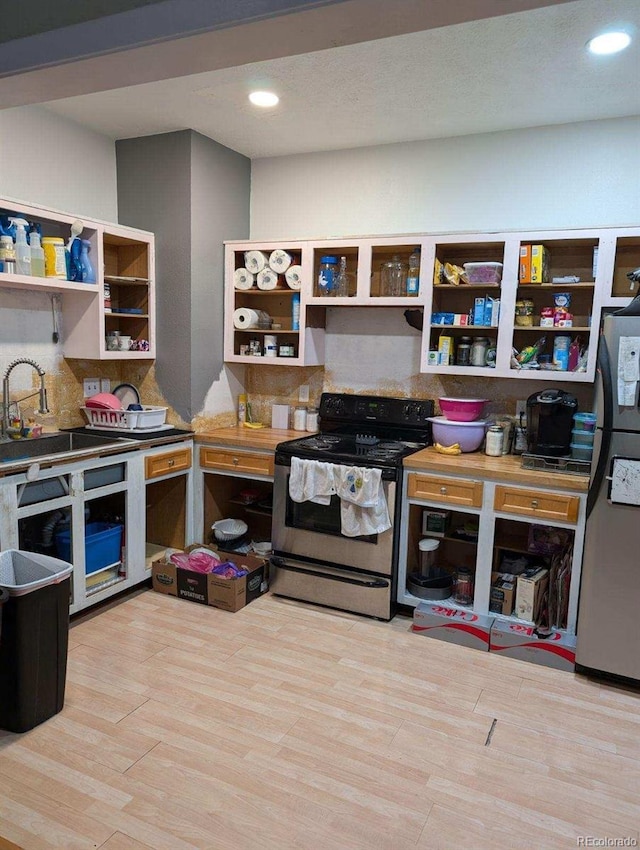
(193, 193)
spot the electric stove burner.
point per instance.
(322, 443)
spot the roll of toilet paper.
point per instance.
(243, 279)
(255, 261)
(267, 279)
(293, 276)
(279, 261)
(244, 318)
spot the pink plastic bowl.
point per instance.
(104, 401)
(462, 409)
(468, 434)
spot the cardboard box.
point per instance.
(539, 264)
(478, 311)
(207, 589)
(460, 319)
(502, 596)
(525, 264)
(435, 523)
(445, 349)
(517, 640)
(531, 586)
(452, 624)
(491, 311)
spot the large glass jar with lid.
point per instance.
(463, 351)
(479, 351)
(393, 277)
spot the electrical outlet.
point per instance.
(521, 408)
(91, 386)
(303, 393)
(105, 385)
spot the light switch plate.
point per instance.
(91, 386)
(105, 385)
(303, 393)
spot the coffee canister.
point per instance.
(270, 345)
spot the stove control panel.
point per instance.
(375, 409)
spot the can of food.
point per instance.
(55, 260)
(524, 313)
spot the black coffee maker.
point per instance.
(549, 422)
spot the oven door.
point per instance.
(335, 588)
(309, 530)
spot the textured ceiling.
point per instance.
(520, 70)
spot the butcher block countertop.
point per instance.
(248, 438)
(504, 468)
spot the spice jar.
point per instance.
(463, 351)
(463, 590)
(479, 351)
(494, 441)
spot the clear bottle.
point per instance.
(413, 277)
(341, 284)
(23, 252)
(326, 276)
(37, 254)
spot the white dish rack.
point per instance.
(126, 420)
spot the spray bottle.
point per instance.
(23, 252)
(37, 254)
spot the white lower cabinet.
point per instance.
(490, 524)
(94, 514)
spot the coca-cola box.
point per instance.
(518, 640)
(455, 625)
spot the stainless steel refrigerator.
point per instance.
(609, 609)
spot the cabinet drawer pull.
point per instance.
(236, 461)
(171, 462)
(534, 503)
(443, 490)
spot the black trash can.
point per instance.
(34, 638)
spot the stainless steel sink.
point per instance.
(55, 444)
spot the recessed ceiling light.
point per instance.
(263, 98)
(609, 42)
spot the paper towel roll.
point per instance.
(293, 276)
(279, 261)
(244, 318)
(243, 279)
(255, 261)
(267, 279)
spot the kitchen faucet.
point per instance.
(6, 398)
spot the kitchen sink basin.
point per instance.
(55, 444)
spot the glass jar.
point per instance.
(299, 419)
(494, 441)
(479, 351)
(326, 276)
(312, 419)
(463, 351)
(491, 353)
(463, 590)
(393, 277)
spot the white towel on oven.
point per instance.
(311, 481)
(363, 504)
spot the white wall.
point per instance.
(574, 175)
(52, 162)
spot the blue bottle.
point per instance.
(88, 274)
(74, 272)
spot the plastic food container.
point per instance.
(584, 422)
(483, 272)
(469, 435)
(462, 409)
(582, 438)
(581, 452)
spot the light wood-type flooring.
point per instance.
(284, 726)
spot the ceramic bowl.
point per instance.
(229, 529)
(469, 435)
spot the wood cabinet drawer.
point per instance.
(228, 459)
(536, 504)
(167, 462)
(453, 491)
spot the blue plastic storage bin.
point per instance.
(102, 544)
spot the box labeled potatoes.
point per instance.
(230, 594)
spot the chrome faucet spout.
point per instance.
(6, 396)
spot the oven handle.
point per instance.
(282, 565)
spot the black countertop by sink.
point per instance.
(151, 434)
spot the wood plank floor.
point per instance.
(283, 726)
